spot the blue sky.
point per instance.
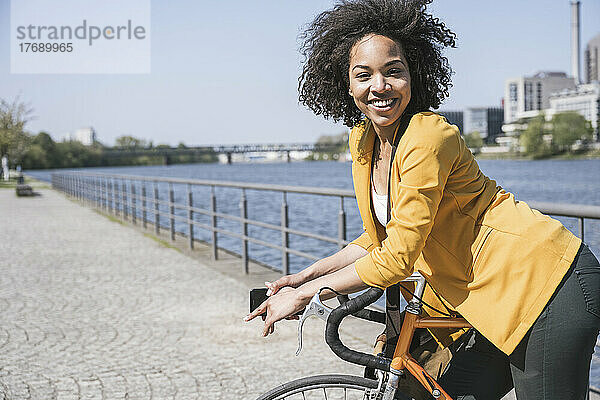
(226, 72)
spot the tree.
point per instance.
(533, 138)
(130, 142)
(567, 128)
(331, 146)
(14, 141)
(473, 140)
(42, 153)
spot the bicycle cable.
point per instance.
(447, 314)
(425, 304)
(331, 290)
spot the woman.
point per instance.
(528, 286)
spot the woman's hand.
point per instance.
(293, 280)
(284, 304)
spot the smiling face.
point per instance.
(379, 79)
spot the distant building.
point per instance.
(454, 117)
(485, 120)
(585, 100)
(526, 96)
(86, 136)
(592, 60)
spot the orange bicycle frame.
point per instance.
(402, 359)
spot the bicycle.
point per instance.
(389, 371)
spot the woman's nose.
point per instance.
(380, 84)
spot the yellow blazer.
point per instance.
(492, 258)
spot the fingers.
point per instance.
(259, 310)
(269, 327)
(272, 287)
(276, 285)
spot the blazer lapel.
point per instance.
(361, 172)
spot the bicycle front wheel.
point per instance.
(329, 387)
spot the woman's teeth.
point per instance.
(382, 103)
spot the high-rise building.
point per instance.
(592, 60)
(485, 120)
(526, 96)
(86, 136)
(585, 100)
(454, 117)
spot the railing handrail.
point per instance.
(238, 185)
(567, 210)
(558, 209)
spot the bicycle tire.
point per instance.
(330, 387)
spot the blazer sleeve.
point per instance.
(424, 162)
(364, 241)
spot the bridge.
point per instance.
(168, 152)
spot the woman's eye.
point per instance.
(362, 75)
(395, 71)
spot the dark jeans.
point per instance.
(553, 359)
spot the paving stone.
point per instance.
(92, 309)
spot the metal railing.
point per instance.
(118, 194)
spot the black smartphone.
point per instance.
(258, 296)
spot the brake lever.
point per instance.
(315, 308)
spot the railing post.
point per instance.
(285, 237)
(144, 221)
(92, 191)
(156, 210)
(190, 217)
(172, 210)
(213, 213)
(124, 199)
(96, 192)
(244, 215)
(97, 200)
(341, 224)
(581, 228)
(105, 183)
(117, 197)
(109, 194)
(77, 188)
(133, 203)
(102, 191)
(84, 190)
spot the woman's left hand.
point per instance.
(285, 303)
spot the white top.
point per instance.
(379, 205)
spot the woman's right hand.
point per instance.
(293, 280)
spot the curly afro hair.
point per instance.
(327, 42)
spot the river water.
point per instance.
(555, 181)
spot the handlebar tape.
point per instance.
(368, 315)
(332, 335)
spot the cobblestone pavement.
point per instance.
(92, 309)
